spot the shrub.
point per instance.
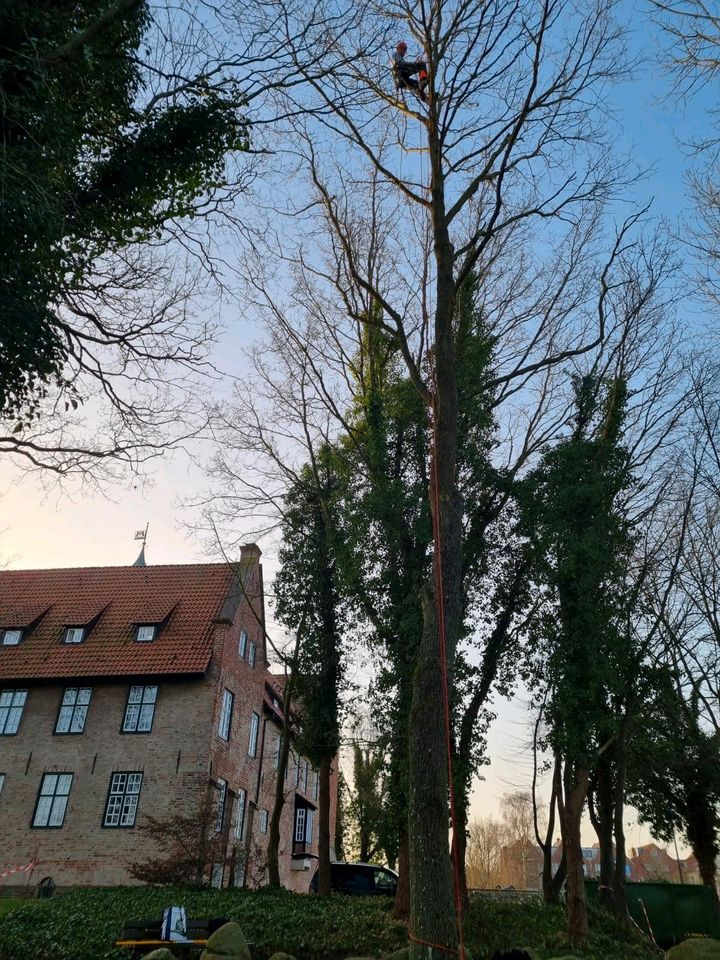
(83, 925)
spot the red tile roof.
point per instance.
(190, 596)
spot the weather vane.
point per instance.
(141, 535)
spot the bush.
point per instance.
(83, 925)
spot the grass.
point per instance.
(9, 903)
(84, 924)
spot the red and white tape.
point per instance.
(27, 868)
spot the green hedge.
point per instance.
(84, 925)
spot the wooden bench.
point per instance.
(141, 936)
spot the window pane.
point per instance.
(78, 720)
(43, 812)
(49, 784)
(84, 695)
(146, 717)
(6, 698)
(252, 655)
(131, 717)
(64, 719)
(11, 638)
(57, 812)
(134, 782)
(70, 695)
(150, 695)
(135, 695)
(127, 818)
(2, 781)
(146, 633)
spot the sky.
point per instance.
(56, 528)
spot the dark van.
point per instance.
(360, 880)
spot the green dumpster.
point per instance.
(674, 911)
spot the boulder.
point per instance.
(281, 956)
(227, 943)
(162, 953)
(696, 949)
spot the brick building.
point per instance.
(128, 692)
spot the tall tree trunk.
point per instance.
(619, 881)
(432, 908)
(601, 805)
(432, 904)
(461, 813)
(324, 887)
(571, 810)
(551, 883)
(701, 834)
(401, 911)
(273, 849)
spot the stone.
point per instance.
(227, 943)
(696, 949)
(282, 956)
(162, 953)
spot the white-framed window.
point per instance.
(12, 703)
(73, 710)
(146, 632)
(254, 731)
(263, 821)
(252, 655)
(242, 644)
(140, 709)
(226, 714)
(309, 823)
(300, 825)
(123, 799)
(222, 797)
(52, 800)
(74, 635)
(11, 638)
(240, 814)
(315, 783)
(303, 775)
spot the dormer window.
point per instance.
(11, 638)
(146, 632)
(74, 635)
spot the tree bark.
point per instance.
(619, 883)
(701, 834)
(552, 883)
(571, 811)
(401, 911)
(601, 803)
(432, 902)
(274, 829)
(432, 908)
(324, 886)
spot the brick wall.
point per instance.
(182, 757)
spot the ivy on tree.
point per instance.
(90, 165)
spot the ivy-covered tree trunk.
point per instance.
(571, 819)
(602, 814)
(432, 906)
(401, 910)
(273, 851)
(620, 901)
(324, 773)
(701, 833)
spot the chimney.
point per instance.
(250, 553)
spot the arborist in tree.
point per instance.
(403, 71)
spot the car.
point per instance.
(360, 880)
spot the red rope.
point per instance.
(442, 644)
